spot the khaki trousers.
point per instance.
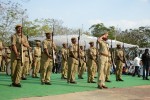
(72, 69)
(102, 69)
(64, 69)
(91, 67)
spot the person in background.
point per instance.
(136, 64)
(146, 64)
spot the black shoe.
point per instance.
(120, 80)
(63, 78)
(80, 78)
(99, 87)
(147, 79)
(18, 85)
(73, 82)
(105, 87)
(36, 77)
(93, 82)
(139, 76)
(48, 83)
(42, 83)
(24, 78)
(107, 81)
(12, 84)
(117, 80)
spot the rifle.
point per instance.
(112, 60)
(97, 55)
(21, 45)
(29, 53)
(67, 48)
(53, 47)
(124, 56)
(85, 51)
(79, 48)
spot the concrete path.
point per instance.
(132, 93)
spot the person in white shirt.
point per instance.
(136, 64)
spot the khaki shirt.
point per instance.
(64, 52)
(92, 52)
(1, 47)
(16, 40)
(82, 54)
(73, 50)
(119, 54)
(103, 48)
(8, 53)
(47, 44)
(37, 52)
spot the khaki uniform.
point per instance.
(119, 63)
(26, 64)
(64, 62)
(91, 63)
(102, 62)
(16, 68)
(72, 62)
(1, 47)
(3, 67)
(37, 61)
(108, 68)
(46, 62)
(82, 67)
(8, 61)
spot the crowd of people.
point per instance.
(20, 59)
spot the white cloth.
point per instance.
(136, 61)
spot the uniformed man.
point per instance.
(26, 64)
(72, 61)
(108, 68)
(36, 59)
(1, 48)
(82, 67)
(16, 64)
(91, 63)
(64, 61)
(103, 60)
(8, 60)
(47, 59)
(119, 60)
(3, 67)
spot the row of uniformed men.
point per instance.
(70, 61)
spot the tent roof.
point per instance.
(84, 40)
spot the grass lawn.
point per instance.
(32, 87)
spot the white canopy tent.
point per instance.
(84, 40)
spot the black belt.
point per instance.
(37, 56)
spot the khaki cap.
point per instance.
(73, 38)
(48, 32)
(18, 25)
(63, 43)
(118, 44)
(91, 42)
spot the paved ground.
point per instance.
(134, 93)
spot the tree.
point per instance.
(98, 29)
(11, 14)
(139, 36)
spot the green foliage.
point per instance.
(98, 29)
(10, 15)
(139, 36)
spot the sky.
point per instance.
(84, 13)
